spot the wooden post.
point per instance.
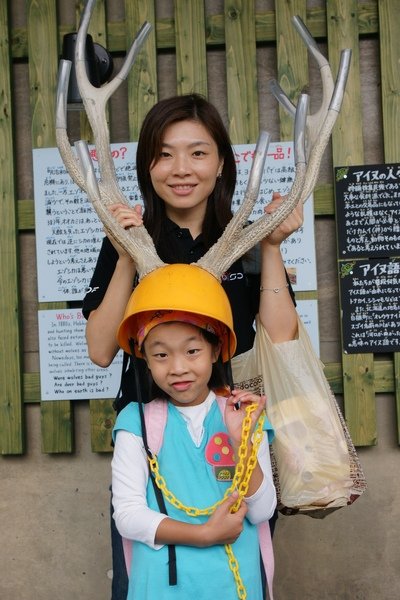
(142, 81)
(56, 417)
(241, 69)
(347, 148)
(11, 414)
(389, 24)
(191, 66)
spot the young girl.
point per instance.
(183, 342)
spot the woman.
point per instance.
(186, 173)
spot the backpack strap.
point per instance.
(267, 554)
(155, 416)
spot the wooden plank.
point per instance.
(142, 81)
(215, 30)
(323, 206)
(396, 364)
(97, 29)
(383, 369)
(292, 58)
(324, 203)
(389, 39)
(101, 425)
(31, 387)
(359, 398)
(11, 402)
(241, 70)
(191, 62)
(26, 215)
(347, 147)
(56, 417)
(389, 23)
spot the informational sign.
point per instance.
(370, 297)
(368, 210)
(368, 227)
(69, 233)
(66, 372)
(298, 250)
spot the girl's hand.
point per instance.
(224, 527)
(288, 226)
(126, 216)
(234, 416)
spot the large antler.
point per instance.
(106, 191)
(311, 137)
(237, 237)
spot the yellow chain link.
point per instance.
(241, 480)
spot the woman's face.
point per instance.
(185, 173)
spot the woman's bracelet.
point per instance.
(276, 290)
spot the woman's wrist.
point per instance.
(268, 245)
(125, 260)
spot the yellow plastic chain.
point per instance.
(241, 479)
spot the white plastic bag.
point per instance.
(316, 463)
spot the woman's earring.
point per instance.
(219, 175)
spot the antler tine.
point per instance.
(219, 258)
(223, 247)
(314, 121)
(327, 125)
(63, 143)
(306, 175)
(95, 100)
(136, 241)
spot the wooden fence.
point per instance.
(192, 34)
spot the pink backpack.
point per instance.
(155, 413)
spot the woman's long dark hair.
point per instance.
(190, 107)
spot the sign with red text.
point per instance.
(69, 233)
(298, 250)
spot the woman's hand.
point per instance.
(288, 226)
(224, 527)
(235, 412)
(126, 216)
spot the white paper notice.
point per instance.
(66, 372)
(68, 230)
(308, 312)
(69, 233)
(298, 250)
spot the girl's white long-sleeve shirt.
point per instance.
(130, 473)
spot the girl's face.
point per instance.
(185, 173)
(180, 361)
